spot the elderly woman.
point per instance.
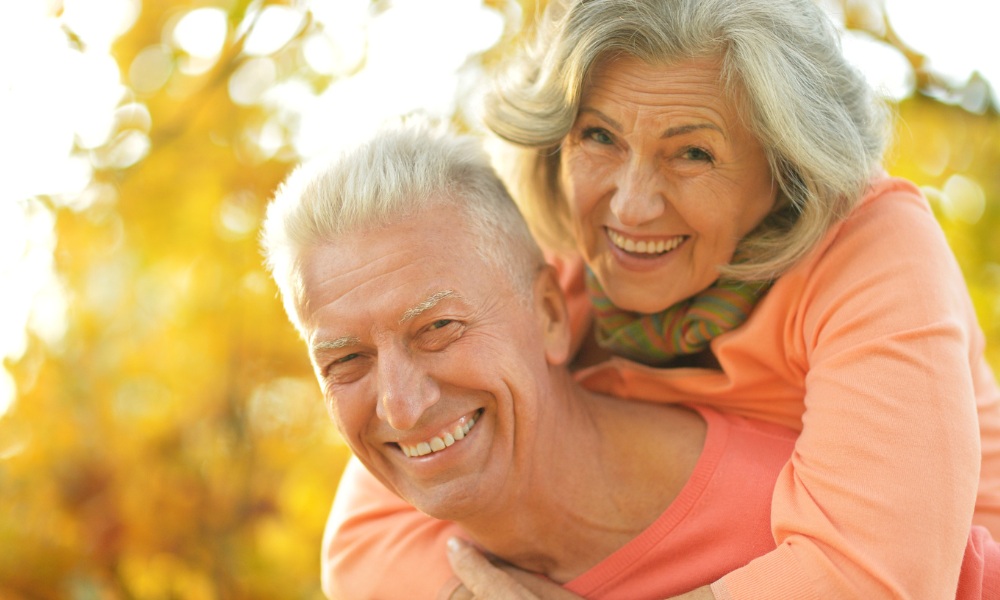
(707, 173)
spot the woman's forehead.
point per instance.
(691, 88)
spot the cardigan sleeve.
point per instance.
(378, 547)
(877, 499)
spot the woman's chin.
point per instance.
(640, 296)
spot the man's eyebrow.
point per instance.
(337, 344)
(688, 129)
(427, 304)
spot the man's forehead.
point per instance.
(388, 276)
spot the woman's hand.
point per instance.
(484, 581)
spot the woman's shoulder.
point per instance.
(887, 265)
(891, 232)
(891, 199)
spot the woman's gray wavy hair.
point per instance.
(822, 128)
(405, 168)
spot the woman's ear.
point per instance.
(550, 308)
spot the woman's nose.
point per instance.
(639, 198)
(405, 390)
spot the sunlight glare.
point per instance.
(8, 391)
(42, 130)
(958, 37)
(98, 23)
(885, 68)
(345, 25)
(415, 52)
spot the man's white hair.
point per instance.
(405, 168)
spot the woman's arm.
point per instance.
(877, 499)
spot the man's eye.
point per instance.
(346, 358)
(439, 334)
(697, 154)
(601, 136)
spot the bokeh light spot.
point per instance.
(275, 27)
(150, 69)
(201, 32)
(249, 82)
(964, 199)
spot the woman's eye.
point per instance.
(440, 324)
(601, 136)
(697, 154)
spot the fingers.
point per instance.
(538, 585)
(461, 593)
(485, 581)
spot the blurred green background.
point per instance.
(161, 435)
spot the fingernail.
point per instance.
(454, 544)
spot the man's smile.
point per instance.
(444, 439)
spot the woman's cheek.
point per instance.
(584, 183)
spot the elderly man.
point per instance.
(440, 339)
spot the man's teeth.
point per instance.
(438, 443)
(644, 246)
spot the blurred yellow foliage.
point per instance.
(174, 444)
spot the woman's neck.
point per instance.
(606, 472)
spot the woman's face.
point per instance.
(662, 178)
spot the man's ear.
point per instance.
(550, 309)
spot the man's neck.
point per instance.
(604, 471)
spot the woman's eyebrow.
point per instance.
(673, 131)
(614, 124)
(688, 129)
(427, 304)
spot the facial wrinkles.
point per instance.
(636, 101)
(370, 281)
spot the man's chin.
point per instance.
(445, 502)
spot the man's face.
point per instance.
(414, 338)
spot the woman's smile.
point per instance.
(649, 246)
(643, 253)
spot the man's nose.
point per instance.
(405, 390)
(639, 197)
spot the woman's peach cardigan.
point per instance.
(870, 347)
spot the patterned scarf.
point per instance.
(684, 328)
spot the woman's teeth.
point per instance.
(438, 443)
(644, 246)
